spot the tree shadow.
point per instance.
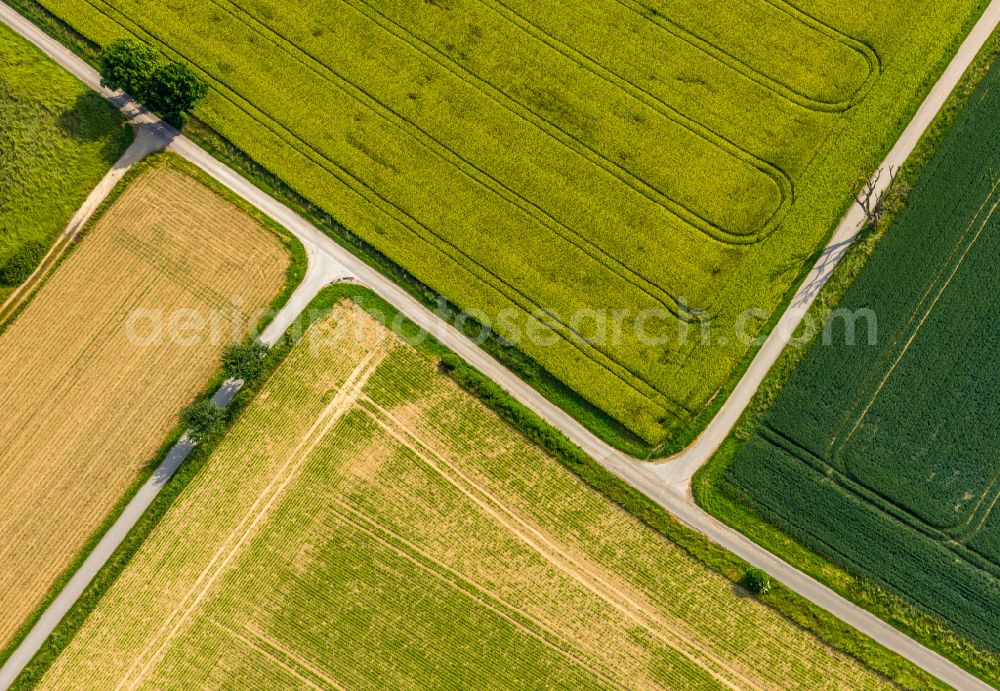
(741, 592)
(87, 119)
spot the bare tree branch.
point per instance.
(874, 201)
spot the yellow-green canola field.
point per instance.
(680, 160)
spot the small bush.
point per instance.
(245, 360)
(757, 582)
(22, 263)
(204, 420)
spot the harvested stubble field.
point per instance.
(57, 139)
(558, 158)
(85, 407)
(883, 457)
(368, 524)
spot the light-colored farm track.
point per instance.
(359, 442)
(86, 406)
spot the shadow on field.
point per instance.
(740, 592)
(86, 120)
(90, 119)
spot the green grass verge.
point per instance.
(710, 488)
(59, 139)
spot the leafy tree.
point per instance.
(172, 90)
(168, 88)
(204, 419)
(245, 360)
(128, 64)
(757, 581)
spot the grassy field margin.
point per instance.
(293, 276)
(709, 486)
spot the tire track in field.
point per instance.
(881, 363)
(926, 311)
(509, 195)
(186, 606)
(522, 621)
(556, 133)
(758, 75)
(884, 504)
(779, 177)
(536, 541)
(630, 379)
(551, 129)
(272, 650)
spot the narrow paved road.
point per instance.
(669, 483)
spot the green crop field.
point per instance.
(883, 457)
(57, 140)
(367, 524)
(549, 165)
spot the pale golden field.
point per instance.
(84, 408)
(367, 524)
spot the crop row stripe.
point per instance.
(628, 377)
(779, 177)
(661, 296)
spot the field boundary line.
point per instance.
(499, 188)
(551, 553)
(144, 143)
